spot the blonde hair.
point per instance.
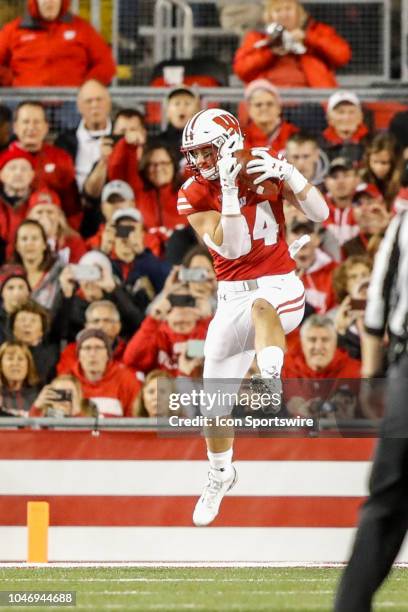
(270, 5)
(140, 407)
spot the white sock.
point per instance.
(270, 361)
(220, 461)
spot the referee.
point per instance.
(384, 516)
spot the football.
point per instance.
(267, 188)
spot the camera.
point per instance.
(123, 231)
(83, 272)
(185, 300)
(275, 33)
(62, 395)
(192, 275)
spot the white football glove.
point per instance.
(229, 168)
(232, 144)
(268, 167)
(298, 244)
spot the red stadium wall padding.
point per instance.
(26, 444)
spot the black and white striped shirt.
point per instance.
(387, 300)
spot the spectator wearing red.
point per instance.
(49, 47)
(101, 314)
(130, 124)
(16, 177)
(44, 206)
(341, 183)
(320, 357)
(53, 166)
(314, 267)
(109, 384)
(161, 341)
(14, 291)
(294, 51)
(346, 134)
(372, 218)
(266, 128)
(155, 182)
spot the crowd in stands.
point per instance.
(104, 289)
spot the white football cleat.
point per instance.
(217, 486)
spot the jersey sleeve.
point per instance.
(192, 197)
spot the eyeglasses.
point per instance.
(89, 349)
(160, 164)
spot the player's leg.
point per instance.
(222, 474)
(269, 338)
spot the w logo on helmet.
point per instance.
(228, 122)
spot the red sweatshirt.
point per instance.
(318, 282)
(155, 345)
(69, 361)
(64, 52)
(325, 50)
(115, 393)
(55, 169)
(341, 366)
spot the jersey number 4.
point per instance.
(265, 226)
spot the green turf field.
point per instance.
(203, 589)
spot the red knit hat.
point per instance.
(44, 196)
(9, 271)
(15, 153)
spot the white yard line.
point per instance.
(148, 564)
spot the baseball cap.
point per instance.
(9, 271)
(15, 153)
(44, 196)
(367, 189)
(118, 187)
(127, 213)
(306, 227)
(340, 163)
(180, 89)
(96, 258)
(264, 85)
(343, 96)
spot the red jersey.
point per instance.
(269, 254)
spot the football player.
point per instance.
(260, 298)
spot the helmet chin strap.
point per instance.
(210, 174)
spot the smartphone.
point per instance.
(185, 300)
(123, 231)
(116, 137)
(62, 395)
(192, 275)
(84, 272)
(357, 304)
(195, 348)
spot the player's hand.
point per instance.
(232, 144)
(229, 169)
(268, 167)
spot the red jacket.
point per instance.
(151, 241)
(318, 282)
(155, 345)
(10, 219)
(341, 366)
(325, 51)
(255, 137)
(333, 138)
(64, 52)
(158, 206)
(115, 393)
(341, 222)
(69, 361)
(55, 169)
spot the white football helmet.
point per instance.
(215, 128)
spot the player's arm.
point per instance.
(297, 189)
(226, 233)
